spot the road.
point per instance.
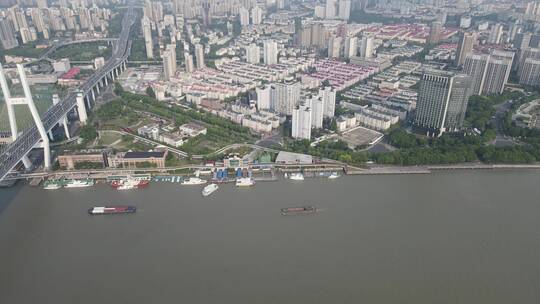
(501, 140)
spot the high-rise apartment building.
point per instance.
(7, 35)
(475, 65)
(301, 121)
(351, 47)
(328, 95)
(495, 34)
(489, 72)
(435, 32)
(168, 65)
(366, 47)
(270, 52)
(344, 11)
(497, 72)
(244, 16)
(199, 56)
(147, 34)
(330, 9)
(253, 53)
(264, 97)
(530, 72)
(286, 95)
(334, 46)
(465, 46)
(256, 15)
(316, 104)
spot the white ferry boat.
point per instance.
(244, 182)
(52, 184)
(334, 175)
(297, 176)
(79, 183)
(193, 181)
(209, 189)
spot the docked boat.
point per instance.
(53, 184)
(297, 176)
(193, 181)
(129, 184)
(79, 183)
(334, 175)
(244, 182)
(209, 189)
(299, 210)
(111, 210)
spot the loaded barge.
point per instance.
(299, 210)
(112, 210)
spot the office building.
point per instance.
(270, 52)
(465, 46)
(442, 102)
(301, 121)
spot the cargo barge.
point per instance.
(299, 210)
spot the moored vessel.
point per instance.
(244, 182)
(334, 175)
(298, 210)
(111, 210)
(53, 184)
(193, 181)
(79, 183)
(209, 189)
(297, 176)
(128, 184)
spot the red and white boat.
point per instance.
(128, 184)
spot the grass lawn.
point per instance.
(108, 138)
(42, 95)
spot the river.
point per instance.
(446, 237)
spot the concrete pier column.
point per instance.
(88, 103)
(66, 127)
(26, 162)
(81, 109)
